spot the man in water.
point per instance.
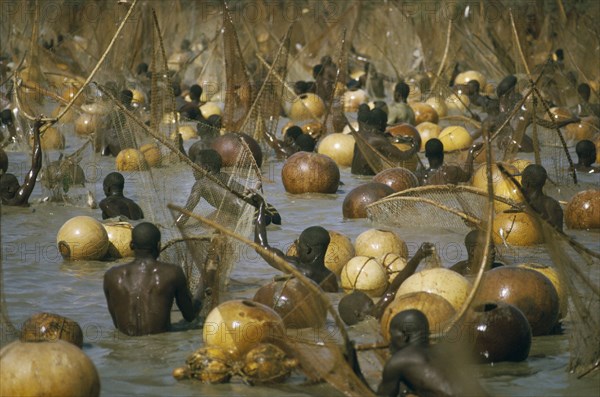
(468, 267)
(372, 125)
(140, 294)
(586, 156)
(417, 367)
(11, 192)
(115, 204)
(533, 180)
(399, 111)
(312, 246)
(439, 173)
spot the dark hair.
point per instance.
(300, 87)
(315, 236)
(145, 236)
(3, 161)
(142, 68)
(306, 143)
(209, 158)
(317, 69)
(434, 147)
(534, 175)
(195, 92)
(7, 117)
(114, 179)
(584, 91)
(410, 322)
(176, 89)
(506, 85)
(585, 147)
(293, 132)
(126, 96)
(363, 113)
(401, 90)
(378, 118)
(354, 306)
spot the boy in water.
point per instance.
(115, 204)
(312, 246)
(13, 194)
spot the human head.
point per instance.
(208, 159)
(313, 242)
(401, 92)
(176, 89)
(306, 143)
(434, 149)
(586, 152)
(533, 178)
(471, 240)
(506, 85)
(354, 307)
(300, 87)
(407, 328)
(9, 186)
(317, 69)
(473, 87)
(7, 117)
(363, 113)
(126, 97)
(378, 119)
(113, 183)
(3, 162)
(291, 133)
(146, 237)
(142, 68)
(584, 91)
(185, 45)
(326, 60)
(195, 92)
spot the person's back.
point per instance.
(149, 290)
(115, 204)
(140, 294)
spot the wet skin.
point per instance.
(311, 257)
(140, 294)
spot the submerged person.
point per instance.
(13, 194)
(417, 367)
(116, 204)
(468, 267)
(533, 180)
(192, 109)
(140, 294)
(586, 156)
(312, 246)
(372, 125)
(400, 111)
(439, 173)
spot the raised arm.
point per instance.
(260, 232)
(22, 195)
